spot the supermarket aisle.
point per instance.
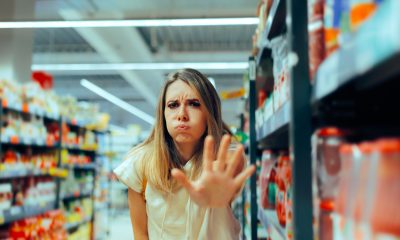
(121, 227)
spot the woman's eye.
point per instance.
(173, 105)
(194, 103)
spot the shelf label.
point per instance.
(58, 172)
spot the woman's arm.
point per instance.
(137, 210)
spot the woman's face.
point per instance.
(184, 113)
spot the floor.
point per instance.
(121, 228)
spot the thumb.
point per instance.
(182, 179)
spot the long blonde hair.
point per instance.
(160, 154)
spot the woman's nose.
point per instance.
(182, 114)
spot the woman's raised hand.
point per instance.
(217, 183)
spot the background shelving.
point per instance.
(352, 98)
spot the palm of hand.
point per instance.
(217, 183)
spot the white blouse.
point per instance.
(174, 216)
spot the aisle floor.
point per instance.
(121, 228)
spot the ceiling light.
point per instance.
(132, 23)
(138, 66)
(120, 103)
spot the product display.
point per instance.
(78, 138)
(49, 225)
(354, 184)
(38, 137)
(77, 183)
(342, 111)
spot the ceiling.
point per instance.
(147, 45)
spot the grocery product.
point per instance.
(316, 41)
(267, 180)
(360, 11)
(282, 178)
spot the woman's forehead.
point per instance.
(180, 90)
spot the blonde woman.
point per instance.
(182, 179)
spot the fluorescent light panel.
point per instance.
(120, 103)
(132, 23)
(139, 66)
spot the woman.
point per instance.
(183, 178)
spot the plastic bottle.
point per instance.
(385, 210)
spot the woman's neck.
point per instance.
(185, 151)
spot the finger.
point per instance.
(236, 158)
(182, 179)
(208, 153)
(223, 151)
(243, 176)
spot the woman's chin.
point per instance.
(184, 138)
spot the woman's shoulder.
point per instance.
(135, 154)
(129, 170)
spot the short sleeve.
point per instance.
(128, 172)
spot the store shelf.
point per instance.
(275, 131)
(370, 58)
(89, 167)
(72, 226)
(77, 195)
(73, 123)
(21, 212)
(269, 220)
(78, 149)
(275, 26)
(9, 174)
(22, 173)
(21, 141)
(26, 109)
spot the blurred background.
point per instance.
(308, 86)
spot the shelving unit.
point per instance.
(74, 196)
(275, 27)
(20, 143)
(21, 212)
(290, 126)
(355, 89)
(274, 132)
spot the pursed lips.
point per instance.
(182, 127)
